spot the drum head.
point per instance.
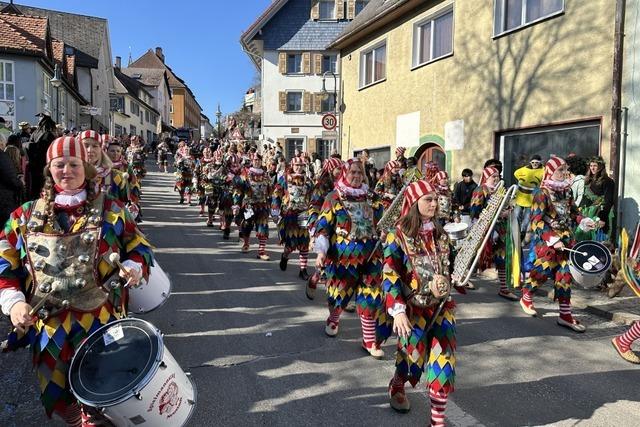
(596, 259)
(114, 362)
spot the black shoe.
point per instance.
(303, 274)
(182, 201)
(225, 236)
(283, 262)
(209, 224)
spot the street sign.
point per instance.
(329, 134)
(329, 121)
(88, 110)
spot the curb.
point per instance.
(604, 311)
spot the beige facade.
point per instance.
(554, 71)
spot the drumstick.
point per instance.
(573, 250)
(114, 259)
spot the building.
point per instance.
(132, 109)
(30, 58)
(288, 45)
(459, 82)
(87, 39)
(184, 109)
(206, 128)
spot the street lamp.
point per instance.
(56, 82)
(325, 94)
(218, 116)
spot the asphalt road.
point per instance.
(258, 354)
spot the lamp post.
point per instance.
(56, 82)
(218, 116)
(325, 96)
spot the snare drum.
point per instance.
(456, 230)
(124, 370)
(151, 295)
(303, 220)
(589, 270)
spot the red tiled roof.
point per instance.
(31, 29)
(71, 67)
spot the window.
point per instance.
(327, 9)
(135, 108)
(294, 101)
(63, 108)
(118, 129)
(117, 104)
(324, 147)
(378, 156)
(7, 85)
(142, 116)
(512, 14)
(171, 108)
(516, 147)
(433, 39)
(360, 4)
(149, 137)
(330, 63)
(133, 130)
(294, 144)
(294, 63)
(373, 64)
(328, 105)
(46, 93)
(146, 116)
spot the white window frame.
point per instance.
(497, 32)
(328, 103)
(363, 53)
(332, 57)
(301, 110)
(298, 55)
(296, 137)
(417, 38)
(46, 93)
(4, 81)
(326, 18)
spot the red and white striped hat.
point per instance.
(440, 176)
(331, 163)
(89, 134)
(297, 161)
(392, 164)
(487, 173)
(400, 151)
(414, 191)
(552, 165)
(66, 146)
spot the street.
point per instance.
(258, 354)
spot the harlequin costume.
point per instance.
(494, 252)
(185, 166)
(390, 184)
(48, 246)
(290, 203)
(345, 233)
(213, 177)
(136, 157)
(253, 199)
(121, 165)
(412, 267)
(553, 218)
(201, 178)
(233, 169)
(445, 205)
(163, 155)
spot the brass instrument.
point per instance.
(471, 247)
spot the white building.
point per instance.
(132, 109)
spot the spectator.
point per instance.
(577, 170)
(462, 192)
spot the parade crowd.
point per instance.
(388, 242)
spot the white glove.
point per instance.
(587, 224)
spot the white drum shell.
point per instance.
(592, 278)
(456, 231)
(151, 295)
(168, 399)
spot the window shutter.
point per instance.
(317, 102)
(283, 101)
(315, 9)
(351, 9)
(311, 145)
(306, 63)
(306, 102)
(282, 62)
(317, 67)
(281, 142)
(339, 9)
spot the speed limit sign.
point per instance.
(329, 121)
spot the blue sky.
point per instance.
(200, 40)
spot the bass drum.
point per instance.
(125, 372)
(589, 267)
(151, 295)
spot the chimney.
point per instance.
(159, 54)
(118, 62)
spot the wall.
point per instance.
(557, 70)
(25, 79)
(177, 117)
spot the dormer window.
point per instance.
(327, 10)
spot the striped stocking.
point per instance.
(262, 244)
(565, 309)
(438, 406)
(334, 316)
(625, 340)
(72, 416)
(527, 297)
(368, 330)
(502, 276)
(304, 258)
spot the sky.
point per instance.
(199, 39)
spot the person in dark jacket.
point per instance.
(599, 195)
(463, 190)
(11, 188)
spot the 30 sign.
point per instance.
(329, 121)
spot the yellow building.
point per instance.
(459, 82)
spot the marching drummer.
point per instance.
(554, 216)
(50, 286)
(416, 284)
(289, 203)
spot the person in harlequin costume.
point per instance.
(233, 170)
(290, 201)
(445, 208)
(213, 180)
(416, 281)
(185, 166)
(390, 184)
(325, 184)
(345, 241)
(136, 157)
(253, 197)
(207, 158)
(553, 220)
(114, 151)
(494, 252)
(70, 225)
(622, 343)
(163, 150)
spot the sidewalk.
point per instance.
(623, 309)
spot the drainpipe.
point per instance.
(623, 162)
(616, 90)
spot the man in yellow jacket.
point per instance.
(529, 178)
